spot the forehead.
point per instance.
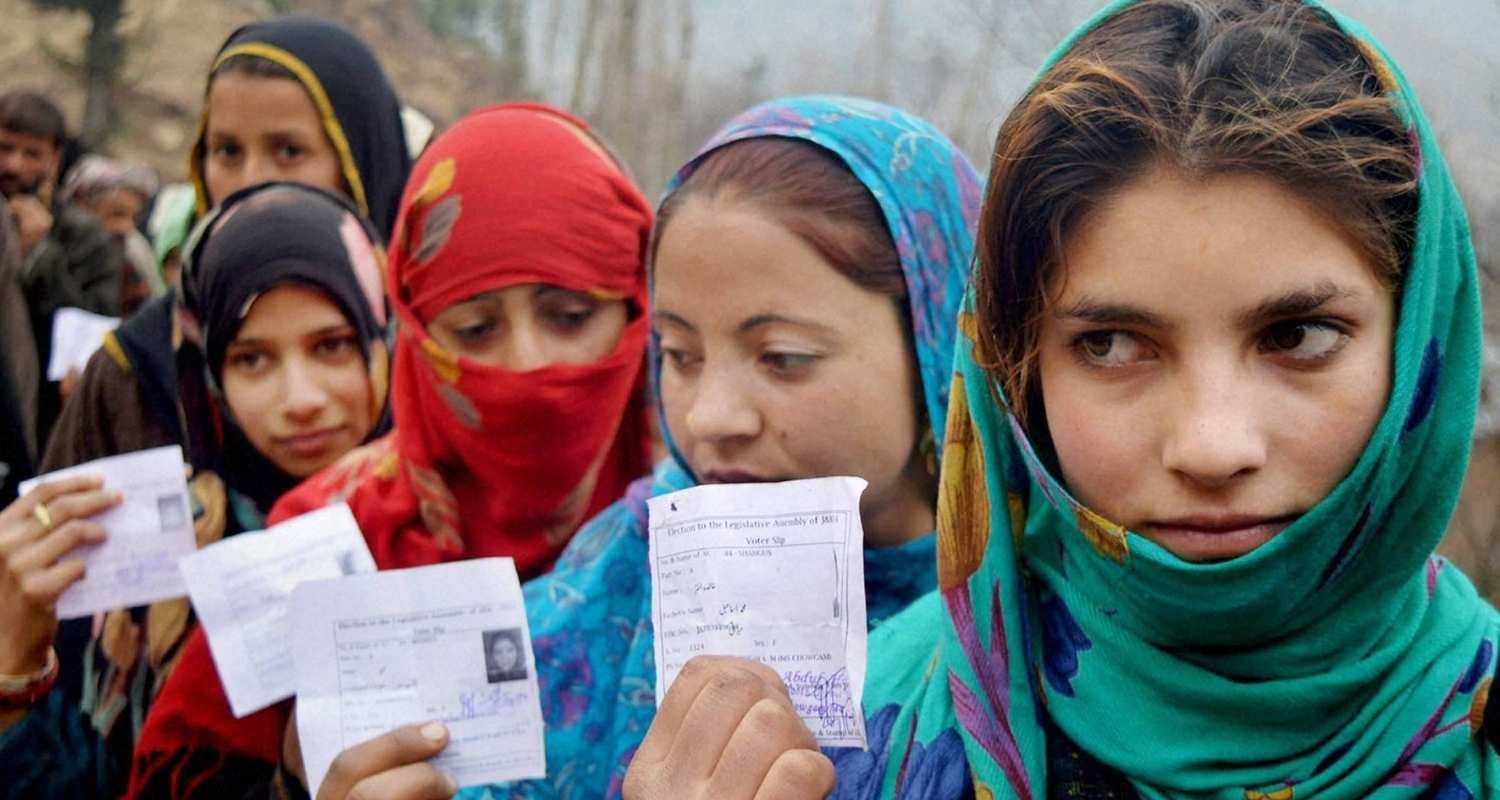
(1171, 241)
(718, 261)
(287, 312)
(258, 103)
(26, 141)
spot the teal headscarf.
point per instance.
(1339, 660)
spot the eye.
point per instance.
(1305, 341)
(476, 330)
(289, 151)
(569, 319)
(336, 347)
(1110, 349)
(681, 360)
(788, 365)
(249, 362)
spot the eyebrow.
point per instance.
(328, 331)
(757, 321)
(1292, 304)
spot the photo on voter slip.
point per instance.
(449, 642)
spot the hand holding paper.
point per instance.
(447, 643)
(773, 573)
(146, 534)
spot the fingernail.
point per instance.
(434, 731)
(452, 783)
(117, 495)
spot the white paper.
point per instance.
(242, 590)
(375, 652)
(147, 533)
(771, 572)
(76, 334)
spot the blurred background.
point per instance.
(657, 77)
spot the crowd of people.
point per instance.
(1162, 418)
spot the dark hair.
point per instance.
(1203, 87)
(251, 66)
(810, 192)
(34, 115)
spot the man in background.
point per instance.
(68, 259)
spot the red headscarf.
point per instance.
(483, 461)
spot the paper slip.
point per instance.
(242, 590)
(147, 533)
(76, 334)
(447, 642)
(771, 572)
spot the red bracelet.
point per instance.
(22, 691)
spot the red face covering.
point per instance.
(486, 461)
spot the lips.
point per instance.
(1209, 538)
(311, 444)
(734, 476)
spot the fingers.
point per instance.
(403, 746)
(798, 775)
(770, 728)
(722, 703)
(46, 493)
(44, 552)
(411, 782)
(42, 588)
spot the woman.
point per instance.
(807, 264)
(1186, 548)
(517, 273)
(282, 295)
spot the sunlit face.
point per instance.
(296, 381)
(26, 162)
(1213, 361)
(504, 655)
(530, 326)
(776, 366)
(118, 209)
(265, 129)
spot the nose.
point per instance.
(304, 392)
(526, 348)
(1213, 436)
(722, 409)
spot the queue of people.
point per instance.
(1162, 420)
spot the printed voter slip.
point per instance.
(147, 533)
(447, 642)
(771, 572)
(242, 590)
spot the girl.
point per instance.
(807, 265)
(1185, 548)
(518, 277)
(282, 295)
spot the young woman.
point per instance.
(517, 273)
(282, 295)
(1185, 547)
(806, 266)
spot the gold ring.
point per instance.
(42, 515)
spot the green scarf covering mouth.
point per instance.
(1339, 660)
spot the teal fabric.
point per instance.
(591, 616)
(1339, 660)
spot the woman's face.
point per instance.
(1213, 360)
(265, 129)
(296, 381)
(530, 326)
(776, 366)
(503, 654)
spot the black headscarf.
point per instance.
(261, 238)
(361, 113)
